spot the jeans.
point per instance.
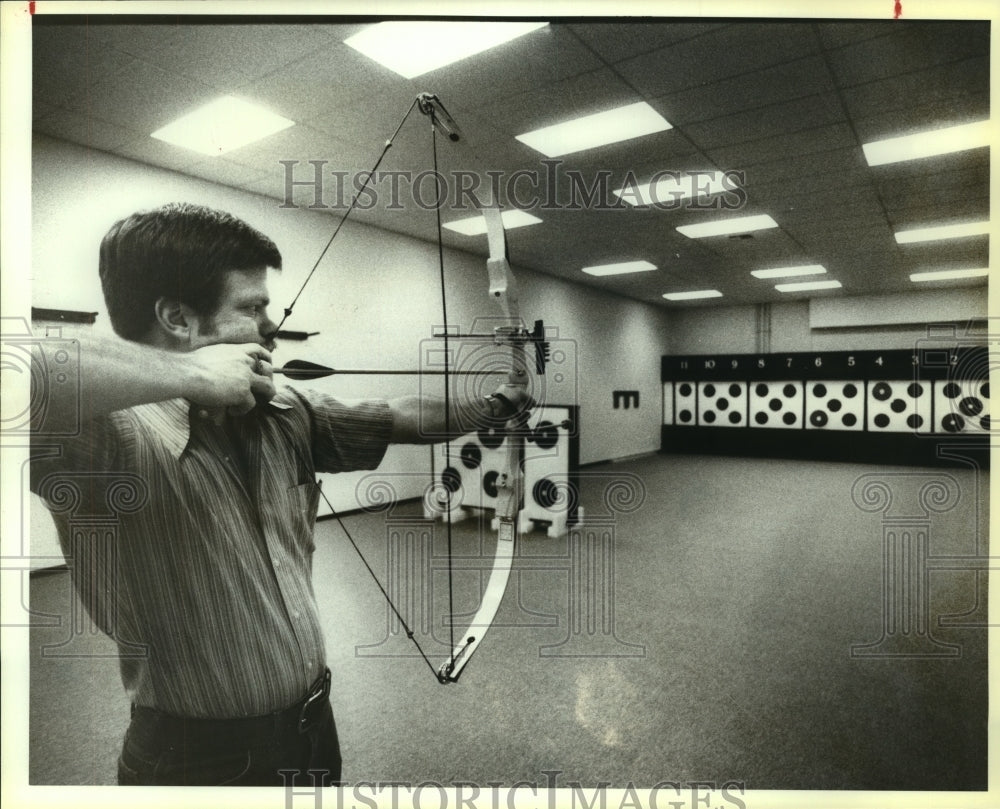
(268, 751)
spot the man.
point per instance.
(209, 572)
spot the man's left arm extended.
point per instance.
(426, 419)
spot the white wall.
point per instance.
(733, 330)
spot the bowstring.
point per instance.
(354, 203)
(287, 313)
(336, 516)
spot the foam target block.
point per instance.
(962, 406)
(778, 405)
(722, 404)
(835, 405)
(668, 402)
(470, 472)
(899, 406)
(549, 497)
(685, 403)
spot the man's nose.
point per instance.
(268, 328)
(267, 338)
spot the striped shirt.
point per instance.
(190, 544)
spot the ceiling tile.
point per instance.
(750, 91)
(971, 253)
(84, 129)
(616, 41)
(965, 209)
(144, 98)
(909, 49)
(775, 119)
(794, 144)
(718, 54)
(846, 165)
(968, 78)
(137, 39)
(904, 185)
(839, 34)
(923, 118)
(66, 63)
(584, 94)
(228, 56)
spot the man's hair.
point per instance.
(179, 251)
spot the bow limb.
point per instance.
(510, 483)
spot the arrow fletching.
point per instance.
(303, 369)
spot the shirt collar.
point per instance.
(171, 421)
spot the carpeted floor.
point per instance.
(699, 626)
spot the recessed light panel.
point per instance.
(221, 126)
(934, 234)
(947, 275)
(414, 48)
(476, 225)
(790, 272)
(622, 268)
(725, 227)
(928, 144)
(600, 129)
(807, 286)
(677, 186)
(693, 295)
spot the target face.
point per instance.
(777, 405)
(899, 406)
(835, 405)
(549, 497)
(962, 406)
(685, 403)
(722, 404)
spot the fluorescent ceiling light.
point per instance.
(612, 126)
(476, 225)
(414, 48)
(742, 224)
(807, 286)
(947, 275)
(790, 272)
(690, 296)
(676, 187)
(928, 144)
(221, 126)
(622, 268)
(943, 232)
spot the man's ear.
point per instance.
(174, 320)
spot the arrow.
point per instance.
(303, 369)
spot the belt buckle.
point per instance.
(320, 691)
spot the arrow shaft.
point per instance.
(317, 373)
